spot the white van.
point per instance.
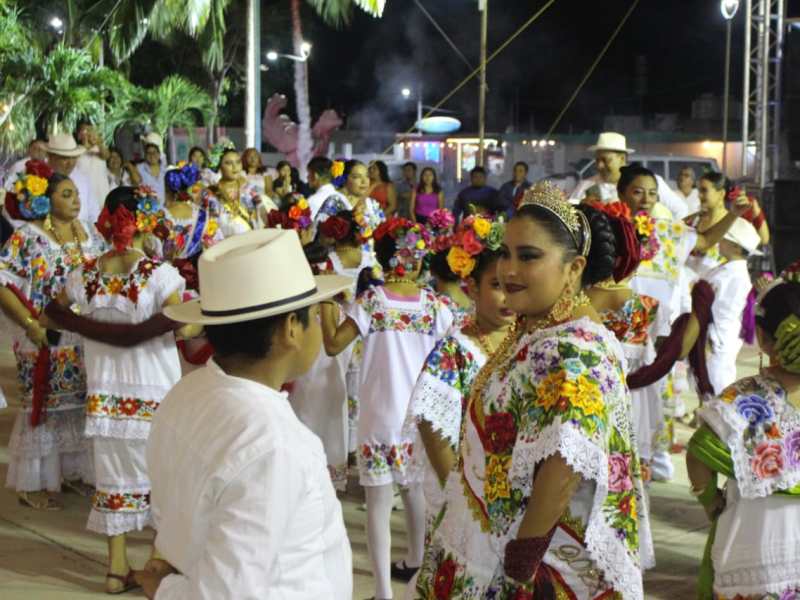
(668, 166)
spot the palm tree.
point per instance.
(18, 57)
(175, 102)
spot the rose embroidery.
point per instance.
(754, 409)
(768, 460)
(791, 445)
(501, 431)
(619, 479)
(444, 579)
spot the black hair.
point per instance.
(421, 186)
(36, 140)
(718, 180)
(483, 261)
(115, 150)
(440, 269)
(261, 168)
(413, 165)
(281, 164)
(521, 163)
(53, 182)
(780, 302)
(252, 339)
(147, 146)
(603, 249)
(477, 169)
(201, 151)
(383, 171)
(630, 172)
(385, 249)
(122, 196)
(321, 167)
(350, 165)
(218, 166)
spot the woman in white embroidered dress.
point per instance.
(34, 265)
(440, 394)
(191, 226)
(546, 499)
(400, 324)
(124, 385)
(751, 435)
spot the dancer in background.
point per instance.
(400, 324)
(750, 436)
(47, 445)
(124, 385)
(450, 287)
(440, 396)
(381, 188)
(427, 197)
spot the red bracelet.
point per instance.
(758, 221)
(523, 557)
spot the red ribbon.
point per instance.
(200, 357)
(41, 368)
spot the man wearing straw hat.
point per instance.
(62, 156)
(241, 497)
(611, 153)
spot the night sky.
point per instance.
(360, 69)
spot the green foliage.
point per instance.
(176, 102)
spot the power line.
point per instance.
(489, 59)
(444, 35)
(591, 69)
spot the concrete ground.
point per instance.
(49, 556)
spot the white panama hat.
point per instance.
(254, 275)
(613, 142)
(154, 139)
(742, 233)
(63, 144)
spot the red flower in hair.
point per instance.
(336, 228)
(12, 206)
(617, 210)
(38, 168)
(279, 220)
(117, 228)
(391, 226)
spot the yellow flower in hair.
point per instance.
(36, 185)
(302, 204)
(421, 244)
(337, 169)
(18, 186)
(644, 225)
(482, 226)
(181, 164)
(460, 262)
(211, 227)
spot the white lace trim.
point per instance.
(108, 523)
(591, 462)
(62, 431)
(123, 429)
(439, 404)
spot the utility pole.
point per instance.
(253, 92)
(483, 6)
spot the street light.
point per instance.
(56, 23)
(272, 55)
(728, 8)
(406, 92)
(305, 49)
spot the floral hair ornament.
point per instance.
(473, 235)
(336, 228)
(337, 174)
(546, 195)
(440, 224)
(182, 178)
(297, 215)
(118, 228)
(30, 189)
(216, 152)
(412, 242)
(629, 256)
(790, 274)
(150, 217)
(645, 226)
(787, 343)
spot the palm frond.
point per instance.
(335, 13)
(128, 27)
(372, 7)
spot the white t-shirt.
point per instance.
(95, 170)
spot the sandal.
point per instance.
(79, 487)
(128, 582)
(45, 502)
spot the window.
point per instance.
(656, 166)
(698, 166)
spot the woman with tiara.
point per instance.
(546, 497)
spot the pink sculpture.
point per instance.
(280, 131)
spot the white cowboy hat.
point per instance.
(743, 234)
(63, 144)
(255, 275)
(613, 142)
(154, 139)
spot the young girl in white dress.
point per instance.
(400, 324)
(124, 385)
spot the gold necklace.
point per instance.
(610, 284)
(77, 252)
(472, 330)
(393, 279)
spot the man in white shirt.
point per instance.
(241, 496)
(611, 153)
(37, 150)
(92, 163)
(687, 190)
(319, 180)
(62, 156)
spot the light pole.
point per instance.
(483, 6)
(406, 93)
(728, 9)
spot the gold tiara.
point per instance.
(548, 196)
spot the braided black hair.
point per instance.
(718, 180)
(603, 251)
(780, 302)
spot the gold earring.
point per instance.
(48, 223)
(562, 309)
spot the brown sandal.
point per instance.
(128, 582)
(47, 502)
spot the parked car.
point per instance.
(667, 166)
